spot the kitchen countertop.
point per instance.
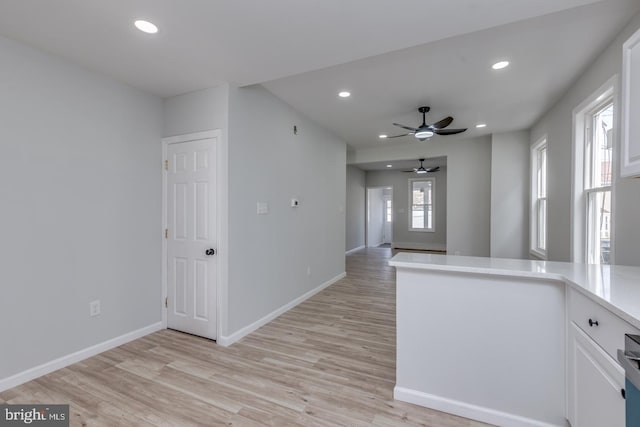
(615, 287)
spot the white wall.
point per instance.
(468, 186)
(81, 201)
(197, 111)
(557, 125)
(355, 208)
(375, 219)
(402, 237)
(510, 195)
(269, 254)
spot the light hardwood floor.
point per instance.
(330, 361)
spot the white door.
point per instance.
(191, 241)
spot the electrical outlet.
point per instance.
(94, 308)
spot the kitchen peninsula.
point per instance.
(514, 342)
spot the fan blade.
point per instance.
(405, 127)
(442, 123)
(436, 169)
(410, 171)
(398, 136)
(448, 131)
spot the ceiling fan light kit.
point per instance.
(425, 131)
(424, 134)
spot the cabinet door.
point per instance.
(630, 155)
(595, 384)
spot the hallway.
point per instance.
(329, 361)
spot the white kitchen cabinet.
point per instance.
(595, 384)
(630, 147)
(595, 380)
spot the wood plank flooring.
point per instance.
(328, 362)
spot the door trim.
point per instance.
(366, 210)
(222, 197)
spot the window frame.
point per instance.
(583, 114)
(388, 210)
(431, 229)
(534, 214)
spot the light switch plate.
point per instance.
(263, 208)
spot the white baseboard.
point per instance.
(466, 410)
(419, 246)
(350, 251)
(61, 362)
(228, 340)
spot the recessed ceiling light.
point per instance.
(481, 125)
(389, 166)
(344, 94)
(145, 26)
(383, 136)
(500, 65)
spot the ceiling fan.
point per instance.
(427, 131)
(422, 169)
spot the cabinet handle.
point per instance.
(623, 393)
(593, 323)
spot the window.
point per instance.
(422, 204)
(388, 210)
(538, 239)
(597, 183)
(593, 146)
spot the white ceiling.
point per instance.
(393, 56)
(454, 77)
(202, 43)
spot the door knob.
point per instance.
(210, 252)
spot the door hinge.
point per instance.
(166, 233)
(166, 165)
(166, 302)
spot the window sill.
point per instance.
(423, 230)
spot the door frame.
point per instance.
(222, 246)
(366, 211)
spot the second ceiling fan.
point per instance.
(425, 131)
(422, 169)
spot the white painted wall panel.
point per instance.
(81, 197)
(271, 254)
(355, 208)
(482, 341)
(510, 179)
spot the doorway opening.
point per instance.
(379, 218)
